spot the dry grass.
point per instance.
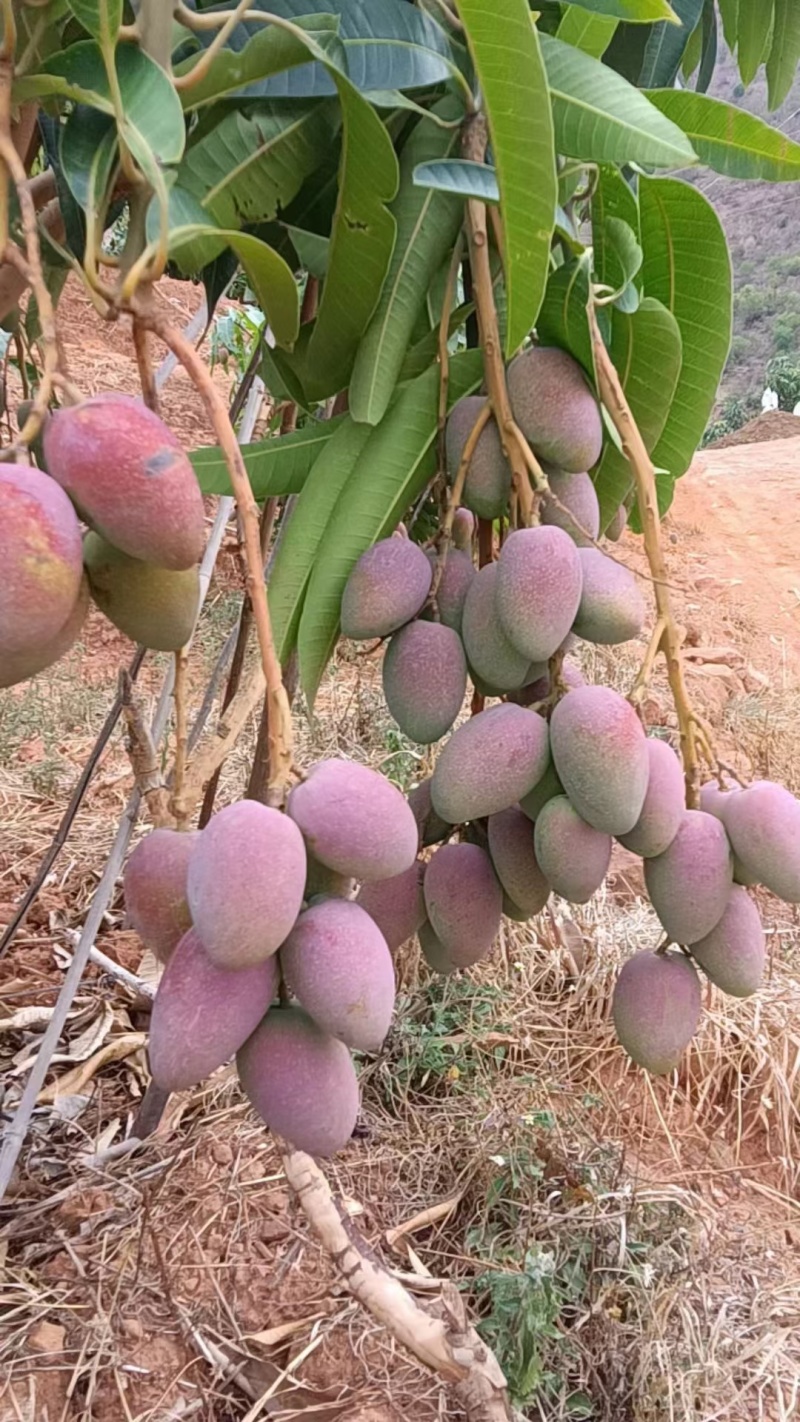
(631, 1246)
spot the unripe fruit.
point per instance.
(129, 477)
(733, 954)
(454, 585)
(600, 754)
(154, 606)
(555, 409)
(538, 590)
(202, 1013)
(612, 609)
(40, 557)
(386, 588)
(154, 888)
(579, 514)
(515, 863)
(690, 883)
(490, 653)
(424, 679)
(338, 965)
(488, 482)
(573, 857)
(489, 763)
(354, 821)
(29, 661)
(396, 905)
(763, 824)
(656, 1009)
(464, 902)
(245, 884)
(300, 1080)
(663, 806)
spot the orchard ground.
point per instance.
(632, 1247)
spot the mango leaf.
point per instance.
(269, 50)
(601, 118)
(729, 139)
(591, 33)
(729, 14)
(276, 466)
(423, 353)
(460, 176)
(255, 161)
(562, 319)
(427, 223)
(361, 246)
(505, 51)
(392, 470)
(666, 44)
(645, 347)
(785, 52)
(624, 261)
(613, 197)
(693, 52)
(754, 32)
(102, 18)
(153, 118)
(386, 46)
(687, 267)
(311, 249)
(708, 59)
(634, 11)
(269, 276)
(305, 530)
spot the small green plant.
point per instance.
(437, 1038)
(232, 337)
(783, 376)
(734, 413)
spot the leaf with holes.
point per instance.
(730, 140)
(427, 223)
(601, 118)
(393, 468)
(687, 267)
(645, 348)
(508, 63)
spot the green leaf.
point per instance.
(562, 319)
(601, 118)
(386, 46)
(508, 62)
(255, 161)
(729, 139)
(275, 466)
(460, 176)
(88, 151)
(423, 353)
(269, 51)
(305, 530)
(98, 17)
(784, 54)
(392, 470)
(634, 11)
(624, 260)
(427, 223)
(708, 61)
(613, 197)
(591, 33)
(666, 44)
(687, 267)
(756, 19)
(729, 14)
(153, 118)
(361, 246)
(312, 250)
(268, 274)
(645, 347)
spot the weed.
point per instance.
(437, 1043)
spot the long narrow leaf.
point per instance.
(754, 30)
(591, 33)
(667, 43)
(634, 11)
(728, 139)
(785, 51)
(276, 466)
(508, 63)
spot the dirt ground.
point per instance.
(181, 1282)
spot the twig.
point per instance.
(439, 1336)
(280, 713)
(180, 694)
(141, 341)
(121, 975)
(201, 68)
(444, 350)
(144, 757)
(516, 449)
(694, 735)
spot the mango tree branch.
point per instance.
(280, 721)
(694, 736)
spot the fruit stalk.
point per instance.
(693, 734)
(455, 495)
(280, 718)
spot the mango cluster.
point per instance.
(259, 901)
(113, 465)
